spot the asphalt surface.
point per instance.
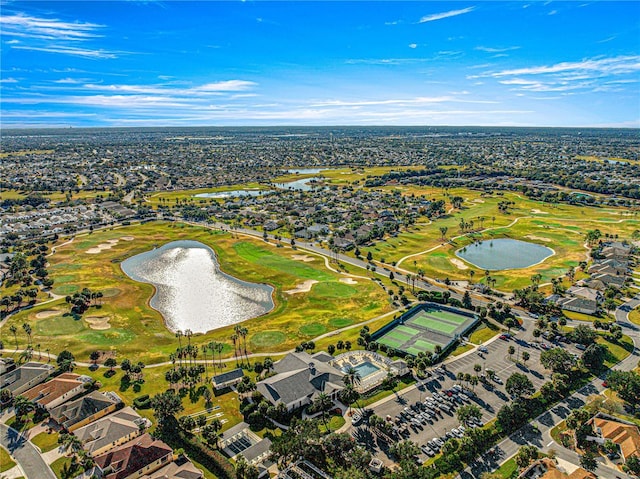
(25, 454)
(537, 433)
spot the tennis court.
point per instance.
(424, 328)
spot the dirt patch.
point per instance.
(539, 238)
(539, 212)
(303, 257)
(348, 281)
(47, 313)
(302, 287)
(99, 323)
(458, 263)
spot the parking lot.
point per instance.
(489, 396)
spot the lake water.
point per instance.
(299, 185)
(191, 291)
(308, 171)
(499, 254)
(232, 193)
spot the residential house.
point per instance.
(7, 365)
(624, 434)
(25, 377)
(228, 379)
(182, 468)
(57, 391)
(133, 459)
(548, 469)
(239, 440)
(82, 411)
(111, 431)
(300, 378)
(587, 293)
(578, 305)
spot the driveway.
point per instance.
(25, 454)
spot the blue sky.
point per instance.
(128, 63)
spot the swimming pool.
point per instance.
(364, 369)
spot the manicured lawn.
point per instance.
(483, 332)
(28, 424)
(584, 317)
(334, 423)
(60, 464)
(461, 349)
(634, 316)
(138, 332)
(617, 351)
(46, 441)
(363, 402)
(6, 462)
(508, 470)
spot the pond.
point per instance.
(308, 171)
(299, 185)
(499, 254)
(191, 291)
(233, 193)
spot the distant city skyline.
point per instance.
(230, 63)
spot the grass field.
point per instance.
(46, 441)
(634, 316)
(138, 331)
(6, 462)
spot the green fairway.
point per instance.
(340, 322)
(313, 329)
(59, 326)
(268, 339)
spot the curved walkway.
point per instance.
(25, 454)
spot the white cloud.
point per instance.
(451, 13)
(229, 85)
(495, 50)
(47, 28)
(68, 50)
(413, 45)
(608, 66)
(8, 80)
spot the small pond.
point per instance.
(299, 185)
(233, 193)
(191, 291)
(307, 171)
(499, 254)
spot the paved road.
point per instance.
(25, 454)
(537, 432)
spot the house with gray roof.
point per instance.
(82, 411)
(578, 305)
(300, 378)
(228, 379)
(25, 377)
(110, 431)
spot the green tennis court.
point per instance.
(411, 332)
(448, 316)
(430, 323)
(391, 342)
(425, 345)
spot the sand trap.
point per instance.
(478, 200)
(103, 246)
(127, 238)
(538, 212)
(539, 238)
(303, 257)
(458, 264)
(348, 281)
(47, 313)
(302, 287)
(98, 322)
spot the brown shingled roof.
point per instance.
(626, 436)
(45, 393)
(133, 456)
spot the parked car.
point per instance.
(581, 347)
(483, 349)
(427, 450)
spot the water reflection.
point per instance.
(499, 254)
(191, 291)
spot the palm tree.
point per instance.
(323, 403)
(352, 379)
(219, 348)
(188, 333)
(179, 336)
(39, 353)
(22, 406)
(28, 330)
(243, 333)
(234, 338)
(14, 331)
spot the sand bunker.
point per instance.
(478, 200)
(348, 281)
(102, 246)
(539, 238)
(458, 264)
(127, 238)
(47, 313)
(98, 322)
(538, 212)
(302, 287)
(303, 257)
